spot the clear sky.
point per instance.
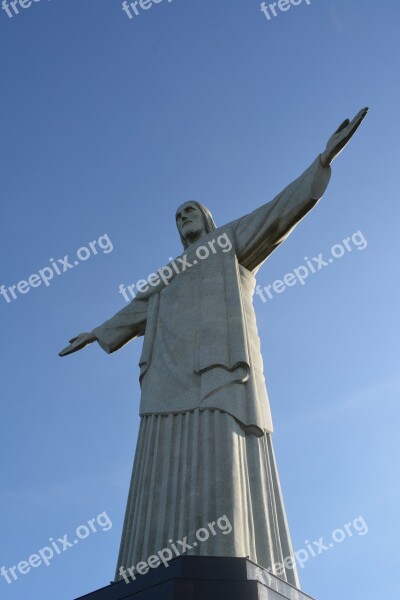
(108, 124)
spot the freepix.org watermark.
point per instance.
(270, 10)
(133, 9)
(176, 266)
(56, 267)
(317, 547)
(15, 5)
(45, 555)
(311, 266)
(176, 548)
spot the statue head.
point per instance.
(194, 221)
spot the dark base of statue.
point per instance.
(202, 578)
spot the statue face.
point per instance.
(190, 222)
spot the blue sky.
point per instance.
(108, 124)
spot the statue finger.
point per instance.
(342, 126)
(361, 113)
(71, 348)
(360, 116)
(65, 351)
(353, 127)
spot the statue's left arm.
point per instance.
(260, 232)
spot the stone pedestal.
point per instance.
(202, 578)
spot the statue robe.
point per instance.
(204, 448)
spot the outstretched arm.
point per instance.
(260, 232)
(128, 323)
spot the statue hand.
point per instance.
(77, 343)
(341, 137)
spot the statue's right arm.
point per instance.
(125, 325)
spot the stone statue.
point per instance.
(204, 446)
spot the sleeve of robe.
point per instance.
(128, 323)
(260, 232)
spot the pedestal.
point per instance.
(202, 578)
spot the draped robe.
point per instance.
(204, 448)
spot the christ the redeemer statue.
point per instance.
(204, 446)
